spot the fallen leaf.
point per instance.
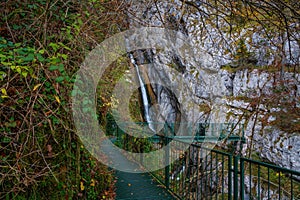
(92, 183)
(49, 149)
(63, 169)
(4, 93)
(48, 113)
(36, 87)
(81, 186)
(57, 99)
(3, 90)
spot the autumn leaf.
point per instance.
(36, 87)
(4, 93)
(57, 99)
(92, 183)
(3, 90)
(81, 186)
(49, 148)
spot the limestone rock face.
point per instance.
(206, 91)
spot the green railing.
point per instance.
(269, 181)
(205, 173)
(200, 132)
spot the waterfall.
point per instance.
(145, 100)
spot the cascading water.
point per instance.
(145, 100)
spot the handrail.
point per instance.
(219, 174)
(270, 166)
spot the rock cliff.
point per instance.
(234, 77)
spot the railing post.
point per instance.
(167, 168)
(117, 133)
(242, 179)
(235, 177)
(230, 177)
(141, 151)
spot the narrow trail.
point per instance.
(139, 186)
(133, 186)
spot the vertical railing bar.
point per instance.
(292, 189)
(242, 178)
(235, 177)
(206, 187)
(268, 182)
(179, 181)
(140, 151)
(229, 177)
(223, 160)
(250, 179)
(217, 180)
(167, 164)
(279, 183)
(211, 174)
(172, 170)
(203, 175)
(189, 169)
(202, 169)
(182, 178)
(197, 165)
(125, 141)
(176, 180)
(190, 174)
(117, 135)
(258, 175)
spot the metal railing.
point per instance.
(266, 181)
(199, 132)
(205, 173)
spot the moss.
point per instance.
(203, 107)
(235, 67)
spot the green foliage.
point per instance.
(42, 45)
(16, 58)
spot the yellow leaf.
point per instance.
(92, 182)
(36, 87)
(57, 98)
(4, 96)
(81, 186)
(3, 90)
(34, 76)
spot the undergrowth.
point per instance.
(42, 45)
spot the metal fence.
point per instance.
(265, 181)
(204, 173)
(199, 132)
